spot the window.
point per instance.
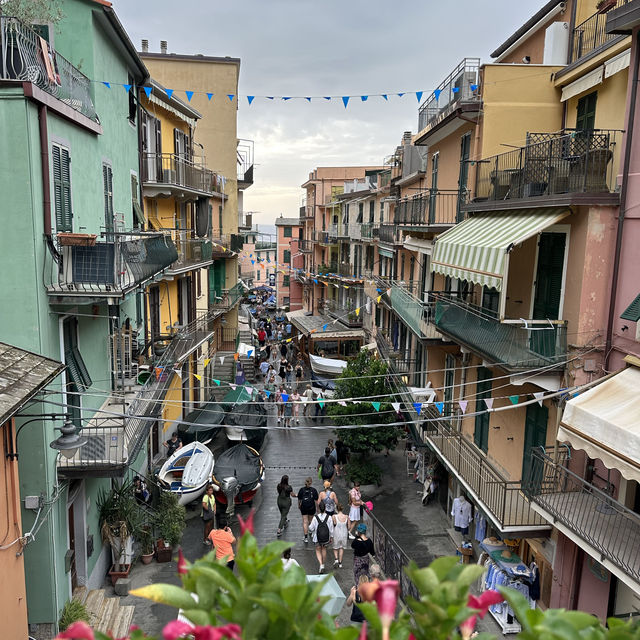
(258, 274)
(381, 211)
(62, 187)
(133, 107)
(285, 301)
(490, 300)
(350, 347)
(286, 256)
(372, 205)
(586, 112)
(138, 213)
(285, 281)
(360, 212)
(107, 185)
(300, 233)
(288, 232)
(78, 378)
(483, 391)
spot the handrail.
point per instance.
(591, 34)
(178, 170)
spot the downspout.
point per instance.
(623, 202)
(44, 167)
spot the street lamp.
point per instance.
(68, 443)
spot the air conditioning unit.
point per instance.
(556, 44)
(104, 446)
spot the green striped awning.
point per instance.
(475, 249)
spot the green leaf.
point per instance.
(256, 624)
(469, 574)
(220, 575)
(197, 616)
(443, 566)
(166, 594)
(519, 604)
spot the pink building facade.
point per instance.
(289, 236)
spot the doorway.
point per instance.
(535, 434)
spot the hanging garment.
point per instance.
(461, 512)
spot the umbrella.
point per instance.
(333, 606)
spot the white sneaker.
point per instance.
(321, 568)
(351, 536)
(335, 562)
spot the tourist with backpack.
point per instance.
(307, 503)
(326, 466)
(329, 498)
(321, 529)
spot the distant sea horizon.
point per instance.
(266, 229)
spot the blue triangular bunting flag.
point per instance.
(307, 98)
(419, 95)
(437, 93)
(285, 397)
(327, 97)
(216, 381)
(474, 87)
(376, 405)
(148, 90)
(418, 407)
(455, 89)
(169, 92)
(345, 101)
(315, 280)
(385, 96)
(189, 95)
(364, 98)
(127, 87)
(286, 97)
(107, 84)
(231, 96)
(440, 407)
(249, 352)
(269, 97)
(209, 95)
(324, 326)
(267, 392)
(399, 95)
(250, 99)
(321, 403)
(514, 399)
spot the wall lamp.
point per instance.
(68, 443)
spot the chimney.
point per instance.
(406, 137)
(163, 47)
(145, 46)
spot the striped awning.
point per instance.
(476, 249)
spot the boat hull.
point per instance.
(187, 472)
(326, 366)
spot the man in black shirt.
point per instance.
(173, 444)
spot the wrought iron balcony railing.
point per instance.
(115, 440)
(110, 268)
(499, 497)
(193, 253)
(28, 58)
(245, 220)
(552, 163)
(415, 313)
(516, 344)
(323, 237)
(344, 312)
(305, 246)
(179, 172)
(389, 234)
(591, 34)
(590, 513)
(430, 208)
(461, 85)
(229, 297)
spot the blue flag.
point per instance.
(250, 99)
(437, 93)
(418, 407)
(169, 92)
(189, 95)
(419, 95)
(148, 90)
(231, 96)
(127, 87)
(107, 84)
(440, 407)
(209, 95)
(345, 100)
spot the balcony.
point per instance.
(193, 253)
(624, 17)
(458, 91)
(323, 238)
(114, 440)
(221, 244)
(552, 165)
(368, 231)
(305, 246)
(433, 208)
(389, 234)
(517, 345)
(578, 508)
(245, 221)
(229, 298)
(108, 269)
(501, 499)
(406, 301)
(245, 164)
(400, 361)
(22, 58)
(174, 175)
(591, 34)
(344, 313)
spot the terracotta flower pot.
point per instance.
(146, 558)
(123, 573)
(77, 239)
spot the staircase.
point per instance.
(225, 371)
(106, 614)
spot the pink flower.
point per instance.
(182, 563)
(178, 629)
(76, 631)
(482, 604)
(246, 525)
(387, 599)
(369, 505)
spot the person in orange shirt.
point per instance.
(222, 539)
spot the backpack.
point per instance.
(327, 467)
(329, 504)
(322, 531)
(306, 500)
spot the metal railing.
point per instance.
(23, 55)
(389, 234)
(416, 314)
(221, 242)
(192, 252)
(517, 344)
(367, 230)
(432, 207)
(454, 89)
(338, 231)
(245, 220)
(229, 297)
(110, 267)
(344, 312)
(305, 246)
(553, 163)
(390, 556)
(116, 440)
(502, 498)
(177, 171)
(323, 237)
(591, 34)
(593, 515)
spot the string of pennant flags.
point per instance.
(231, 97)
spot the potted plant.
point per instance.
(170, 523)
(145, 538)
(77, 239)
(120, 522)
(605, 5)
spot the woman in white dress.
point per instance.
(340, 535)
(355, 500)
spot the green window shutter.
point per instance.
(287, 255)
(483, 391)
(586, 112)
(632, 312)
(285, 281)
(288, 232)
(62, 188)
(107, 181)
(76, 367)
(138, 213)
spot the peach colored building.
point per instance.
(289, 236)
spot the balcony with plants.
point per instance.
(564, 167)
(83, 268)
(344, 312)
(26, 57)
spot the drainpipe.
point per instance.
(623, 202)
(44, 166)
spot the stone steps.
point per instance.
(106, 614)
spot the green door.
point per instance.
(548, 290)
(535, 435)
(483, 391)
(586, 112)
(449, 377)
(216, 281)
(463, 176)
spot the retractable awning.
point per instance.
(605, 422)
(476, 249)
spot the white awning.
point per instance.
(587, 81)
(418, 244)
(617, 63)
(605, 422)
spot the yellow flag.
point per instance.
(379, 298)
(207, 361)
(195, 375)
(357, 311)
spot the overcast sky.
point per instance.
(325, 47)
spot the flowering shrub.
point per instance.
(263, 601)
